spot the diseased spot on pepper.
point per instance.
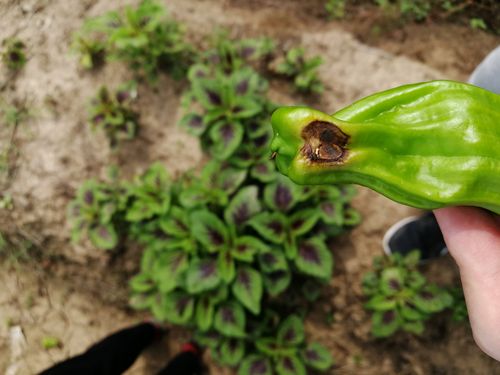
(324, 143)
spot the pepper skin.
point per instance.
(426, 145)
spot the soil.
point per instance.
(79, 294)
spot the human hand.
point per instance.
(472, 236)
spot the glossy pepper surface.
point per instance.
(426, 145)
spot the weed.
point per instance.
(50, 342)
(335, 9)
(303, 71)
(13, 55)
(112, 113)
(91, 51)
(146, 38)
(400, 296)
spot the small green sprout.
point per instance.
(91, 51)
(50, 342)
(335, 9)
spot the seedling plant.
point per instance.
(146, 38)
(112, 113)
(14, 54)
(400, 296)
(302, 70)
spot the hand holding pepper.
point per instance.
(472, 236)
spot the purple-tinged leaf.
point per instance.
(247, 288)
(277, 282)
(301, 222)
(314, 258)
(141, 283)
(281, 195)
(385, 323)
(271, 226)
(264, 171)
(230, 320)
(291, 331)
(255, 365)
(178, 307)
(243, 206)
(290, 365)
(272, 260)
(225, 137)
(194, 124)
(351, 217)
(209, 230)
(245, 248)
(391, 280)
(332, 212)
(432, 299)
(103, 236)
(232, 352)
(176, 223)
(317, 356)
(202, 275)
(168, 269)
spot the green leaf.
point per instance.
(273, 260)
(416, 327)
(412, 259)
(230, 320)
(314, 259)
(351, 217)
(291, 331)
(409, 312)
(380, 303)
(269, 347)
(277, 282)
(385, 323)
(232, 352)
(264, 171)
(202, 275)
(392, 280)
(255, 365)
(317, 357)
(230, 179)
(209, 230)
(331, 212)
(247, 288)
(141, 283)
(271, 226)
(302, 221)
(178, 308)
(432, 299)
(245, 248)
(243, 206)
(226, 266)
(281, 195)
(226, 137)
(290, 365)
(168, 269)
(103, 236)
(194, 124)
(204, 313)
(176, 224)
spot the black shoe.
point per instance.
(412, 233)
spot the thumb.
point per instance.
(473, 239)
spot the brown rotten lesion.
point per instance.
(324, 143)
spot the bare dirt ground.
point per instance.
(78, 294)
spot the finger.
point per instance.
(473, 239)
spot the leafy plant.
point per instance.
(335, 9)
(91, 51)
(303, 71)
(14, 56)
(417, 10)
(459, 311)
(478, 23)
(400, 296)
(112, 113)
(146, 38)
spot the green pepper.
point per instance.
(426, 145)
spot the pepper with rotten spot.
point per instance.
(426, 145)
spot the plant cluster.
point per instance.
(400, 296)
(146, 38)
(302, 70)
(13, 55)
(335, 9)
(112, 113)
